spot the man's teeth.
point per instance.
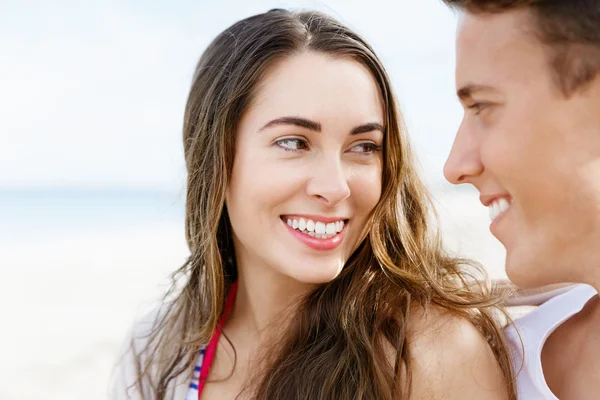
(498, 207)
(318, 229)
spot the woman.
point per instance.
(312, 274)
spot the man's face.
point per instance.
(532, 152)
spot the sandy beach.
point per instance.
(68, 302)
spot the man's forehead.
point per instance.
(492, 47)
(493, 31)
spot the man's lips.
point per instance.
(488, 199)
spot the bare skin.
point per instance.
(452, 360)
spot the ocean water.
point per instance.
(40, 214)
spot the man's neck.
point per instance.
(570, 355)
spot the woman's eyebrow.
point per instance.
(369, 127)
(316, 126)
(296, 121)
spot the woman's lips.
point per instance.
(315, 242)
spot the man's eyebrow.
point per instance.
(316, 126)
(467, 91)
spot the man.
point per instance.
(527, 75)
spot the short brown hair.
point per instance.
(569, 28)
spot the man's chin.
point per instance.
(528, 272)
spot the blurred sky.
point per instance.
(92, 93)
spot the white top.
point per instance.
(192, 393)
(534, 329)
(124, 376)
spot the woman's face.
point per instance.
(307, 168)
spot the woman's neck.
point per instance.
(264, 299)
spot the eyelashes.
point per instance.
(298, 145)
(292, 144)
(371, 147)
(478, 107)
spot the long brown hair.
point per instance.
(338, 345)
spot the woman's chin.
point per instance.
(315, 275)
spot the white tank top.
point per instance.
(534, 329)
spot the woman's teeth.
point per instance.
(497, 207)
(318, 229)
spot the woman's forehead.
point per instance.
(318, 87)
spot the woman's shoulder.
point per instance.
(452, 359)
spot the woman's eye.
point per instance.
(292, 144)
(366, 148)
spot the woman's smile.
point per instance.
(319, 233)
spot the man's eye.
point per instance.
(477, 107)
(292, 144)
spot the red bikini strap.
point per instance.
(214, 340)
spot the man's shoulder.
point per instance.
(531, 325)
